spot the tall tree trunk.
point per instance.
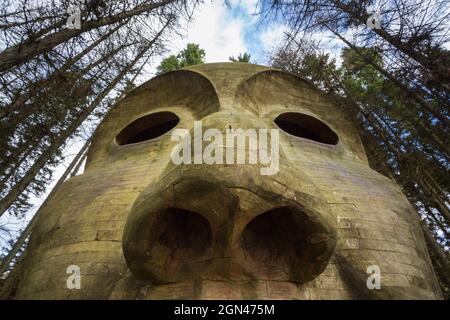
(20, 101)
(36, 107)
(21, 53)
(13, 166)
(441, 71)
(428, 107)
(436, 219)
(434, 196)
(24, 235)
(437, 252)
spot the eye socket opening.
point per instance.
(307, 127)
(148, 127)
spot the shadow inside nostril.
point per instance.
(184, 230)
(286, 243)
(272, 235)
(174, 245)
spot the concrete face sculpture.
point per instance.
(141, 227)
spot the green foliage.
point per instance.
(170, 63)
(242, 57)
(363, 81)
(191, 55)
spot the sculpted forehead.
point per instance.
(232, 88)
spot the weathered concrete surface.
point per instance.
(118, 223)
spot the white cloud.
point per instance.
(216, 33)
(213, 28)
(250, 6)
(218, 36)
(271, 38)
(330, 44)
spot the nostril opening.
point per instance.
(287, 243)
(185, 230)
(273, 235)
(169, 244)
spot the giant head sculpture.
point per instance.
(321, 225)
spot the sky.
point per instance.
(228, 31)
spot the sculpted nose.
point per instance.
(225, 222)
(176, 232)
